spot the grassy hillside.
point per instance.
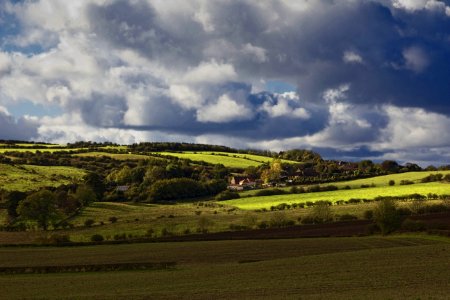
(344, 268)
(333, 196)
(232, 160)
(378, 181)
(34, 150)
(114, 155)
(27, 177)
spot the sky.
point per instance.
(350, 79)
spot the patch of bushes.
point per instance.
(112, 219)
(387, 216)
(368, 214)
(406, 182)
(235, 227)
(432, 178)
(270, 192)
(411, 225)
(227, 195)
(59, 239)
(89, 222)
(97, 238)
(279, 220)
(347, 217)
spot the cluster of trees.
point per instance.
(165, 180)
(45, 207)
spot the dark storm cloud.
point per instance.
(199, 68)
(103, 110)
(20, 129)
(136, 25)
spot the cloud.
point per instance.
(226, 109)
(352, 57)
(416, 5)
(415, 59)
(24, 128)
(197, 69)
(285, 105)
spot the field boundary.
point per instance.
(88, 268)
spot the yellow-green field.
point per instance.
(27, 177)
(232, 160)
(260, 202)
(327, 268)
(118, 156)
(34, 150)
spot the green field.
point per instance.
(248, 203)
(34, 150)
(378, 181)
(232, 160)
(32, 145)
(330, 268)
(28, 177)
(114, 155)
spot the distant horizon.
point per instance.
(351, 80)
(324, 156)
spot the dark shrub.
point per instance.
(113, 219)
(150, 232)
(368, 215)
(263, 225)
(406, 182)
(227, 195)
(347, 217)
(411, 225)
(308, 220)
(313, 189)
(120, 237)
(270, 192)
(165, 232)
(89, 222)
(347, 187)
(372, 228)
(328, 188)
(235, 227)
(391, 182)
(97, 238)
(297, 190)
(59, 239)
(282, 206)
(354, 201)
(387, 216)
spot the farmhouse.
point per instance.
(240, 182)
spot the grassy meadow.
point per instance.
(259, 202)
(29, 177)
(117, 156)
(335, 268)
(232, 160)
(34, 150)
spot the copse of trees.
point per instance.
(40, 207)
(183, 188)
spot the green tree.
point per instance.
(386, 216)
(12, 200)
(85, 195)
(273, 173)
(154, 173)
(96, 183)
(321, 212)
(40, 207)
